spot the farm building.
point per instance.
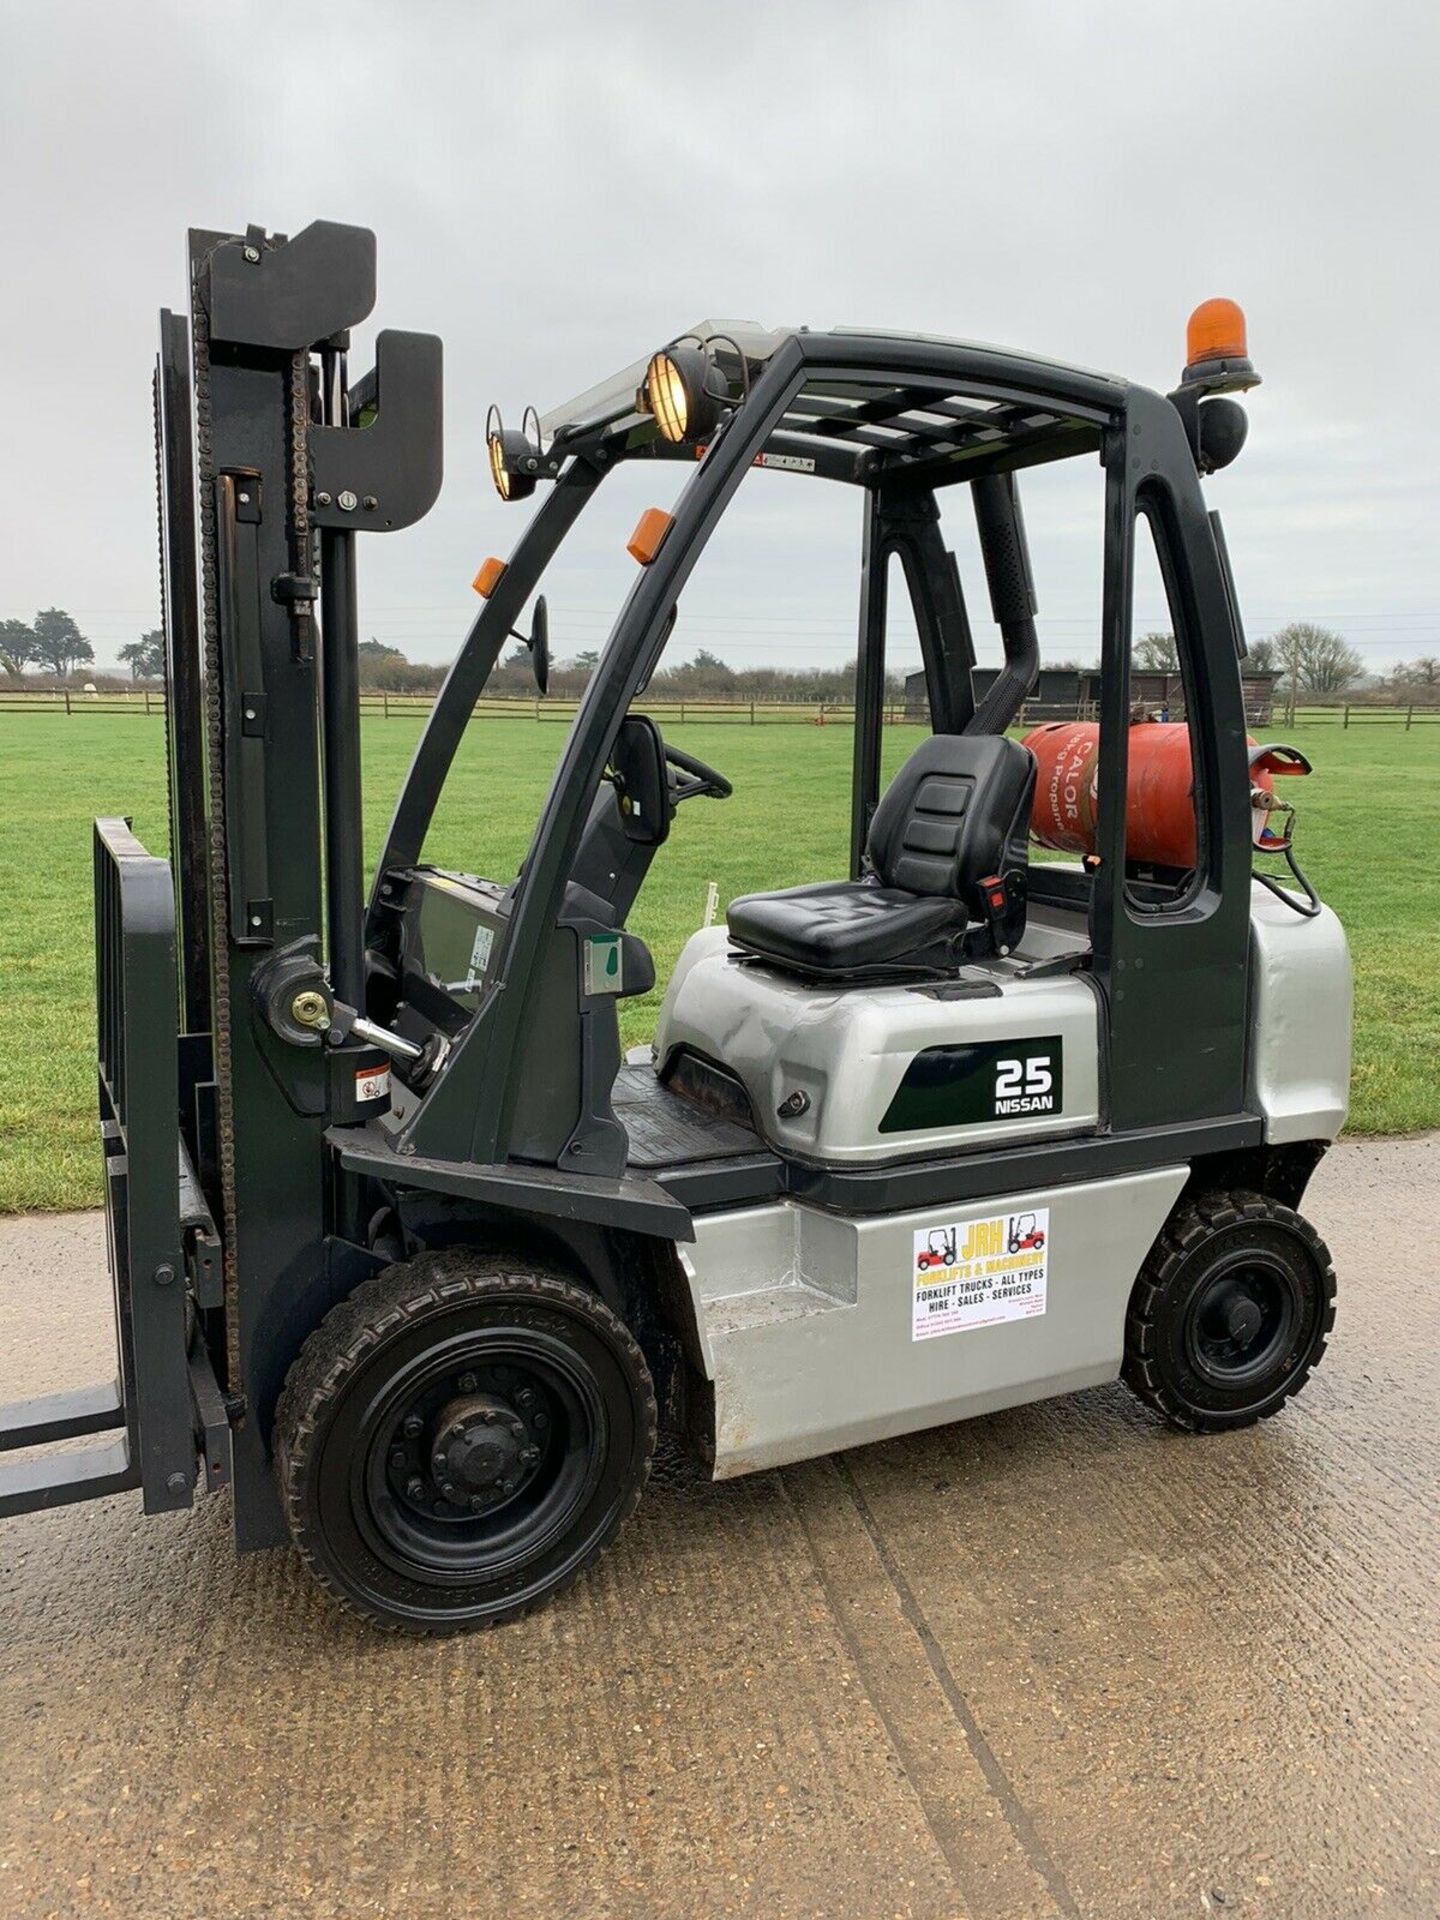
(1070, 693)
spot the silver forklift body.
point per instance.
(405, 1252)
(801, 1311)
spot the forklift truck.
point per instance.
(404, 1252)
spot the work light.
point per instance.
(511, 453)
(681, 391)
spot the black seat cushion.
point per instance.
(843, 926)
(956, 814)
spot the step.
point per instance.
(741, 1313)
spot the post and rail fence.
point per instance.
(707, 709)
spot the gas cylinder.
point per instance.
(1159, 789)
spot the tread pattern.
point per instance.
(403, 1295)
(1182, 1236)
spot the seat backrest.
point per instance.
(956, 812)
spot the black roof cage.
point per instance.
(888, 429)
(942, 426)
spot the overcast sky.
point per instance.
(557, 189)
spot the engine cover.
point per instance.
(858, 1074)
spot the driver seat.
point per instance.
(945, 864)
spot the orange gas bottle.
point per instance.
(1159, 790)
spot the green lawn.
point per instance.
(1370, 820)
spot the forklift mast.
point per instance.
(270, 463)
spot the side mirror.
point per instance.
(642, 786)
(665, 633)
(540, 645)
(537, 640)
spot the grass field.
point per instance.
(1369, 830)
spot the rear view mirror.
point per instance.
(637, 772)
(665, 633)
(540, 645)
(538, 638)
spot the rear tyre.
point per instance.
(459, 1439)
(1230, 1313)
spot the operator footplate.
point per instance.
(668, 1130)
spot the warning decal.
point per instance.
(372, 1083)
(976, 1273)
(480, 951)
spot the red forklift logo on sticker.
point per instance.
(1025, 1236)
(939, 1250)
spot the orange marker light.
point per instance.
(488, 578)
(1216, 331)
(650, 530)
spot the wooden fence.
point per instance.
(400, 706)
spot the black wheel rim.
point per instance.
(509, 1486)
(1243, 1321)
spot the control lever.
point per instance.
(373, 1035)
(424, 1059)
(298, 1004)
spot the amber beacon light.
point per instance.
(1217, 353)
(1216, 331)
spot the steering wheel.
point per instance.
(691, 777)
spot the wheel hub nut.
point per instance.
(479, 1446)
(1244, 1320)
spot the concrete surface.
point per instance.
(1056, 1662)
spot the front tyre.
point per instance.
(459, 1439)
(1230, 1313)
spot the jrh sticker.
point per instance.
(977, 1273)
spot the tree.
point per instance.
(17, 646)
(1156, 653)
(145, 657)
(1316, 658)
(710, 673)
(1424, 672)
(381, 667)
(59, 643)
(1260, 655)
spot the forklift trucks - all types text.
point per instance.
(403, 1251)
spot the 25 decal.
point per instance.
(979, 1081)
(1024, 1085)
